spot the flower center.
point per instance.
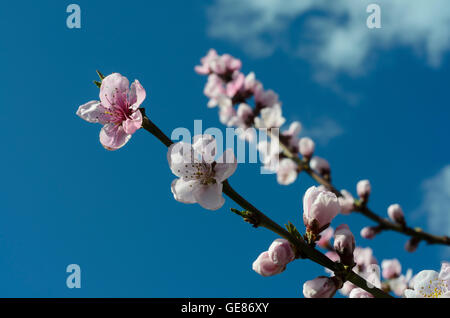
(200, 171)
(434, 289)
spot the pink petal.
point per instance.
(137, 95)
(209, 196)
(113, 137)
(114, 91)
(133, 123)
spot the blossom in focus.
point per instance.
(264, 265)
(199, 176)
(306, 147)
(395, 213)
(319, 208)
(344, 244)
(320, 287)
(287, 171)
(320, 165)
(346, 202)
(117, 110)
(325, 237)
(363, 188)
(281, 252)
(431, 284)
(391, 268)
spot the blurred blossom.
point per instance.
(395, 213)
(391, 268)
(363, 188)
(346, 202)
(306, 146)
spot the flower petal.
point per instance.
(133, 123)
(180, 157)
(114, 91)
(113, 137)
(94, 112)
(226, 165)
(210, 196)
(205, 146)
(183, 190)
(137, 95)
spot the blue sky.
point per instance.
(64, 199)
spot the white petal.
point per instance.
(226, 166)
(93, 112)
(210, 196)
(180, 157)
(183, 190)
(409, 293)
(205, 146)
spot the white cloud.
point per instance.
(436, 203)
(323, 131)
(333, 34)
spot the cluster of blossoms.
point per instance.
(231, 91)
(201, 172)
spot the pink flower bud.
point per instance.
(281, 252)
(346, 202)
(344, 243)
(359, 293)
(369, 232)
(325, 237)
(319, 208)
(320, 165)
(395, 213)
(264, 265)
(412, 244)
(363, 189)
(306, 146)
(320, 287)
(391, 268)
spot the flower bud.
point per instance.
(391, 268)
(395, 213)
(412, 244)
(320, 287)
(319, 208)
(281, 252)
(369, 232)
(363, 188)
(306, 147)
(325, 237)
(264, 265)
(346, 202)
(344, 244)
(320, 165)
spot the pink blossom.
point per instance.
(346, 202)
(363, 188)
(306, 146)
(431, 284)
(391, 268)
(320, 287)
(117, 110)
(214, 89)
(320, 165)
(364, 257)
(200, 177)
(360, 293)
(325, 237)
(281, 252)
(333, 256)
(395, 213)
(265, 98)
(400, 284)
(369, 232)
(270, 117)
(235, 84)
(204, 68)
(264, 265)
(290, 137)
(344, 243)
(319, 208)
(287, 171)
